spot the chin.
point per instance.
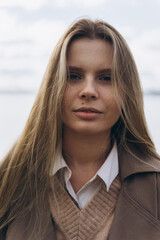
(86, 129)
(90, 130)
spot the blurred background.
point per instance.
(29, 31)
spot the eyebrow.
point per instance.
(76, 69)
(105, 70)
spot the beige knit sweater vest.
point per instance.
(92, 222)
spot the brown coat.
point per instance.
(137, 214)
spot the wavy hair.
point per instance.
(24, 172)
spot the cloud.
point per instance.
(37, 4)
(133, 3)
(90, 3)
(146, 50)
(145, 46)
(27, 45)
(7, 24)
(85, 3)
(25, 49)
(127, 32)
(29, 4)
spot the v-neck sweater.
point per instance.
(92, 222)
(107, 173)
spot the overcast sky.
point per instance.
(29, 30)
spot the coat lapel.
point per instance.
(132, 221)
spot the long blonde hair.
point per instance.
(24, 173)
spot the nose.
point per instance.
(89, 90)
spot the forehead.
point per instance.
(93, 52)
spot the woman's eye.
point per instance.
(74, 76)
(105, 78)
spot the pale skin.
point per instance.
(89, 109)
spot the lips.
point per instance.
(88, 110)
(86, 113)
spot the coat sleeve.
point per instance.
(158, 196)
(2, 237)
(18, 230)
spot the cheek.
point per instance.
(112, 107)
(116, 113)
(69, 95)
(67, 101)
(115, 108)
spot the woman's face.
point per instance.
(89, 104)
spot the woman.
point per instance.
(85, 166)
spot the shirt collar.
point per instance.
(59, 164)
(107, 172)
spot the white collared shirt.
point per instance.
(107, 173)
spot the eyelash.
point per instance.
(105, 78)
(76, 76)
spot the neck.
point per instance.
(84, 154)
(84, 150)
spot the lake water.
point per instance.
(15, 108)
